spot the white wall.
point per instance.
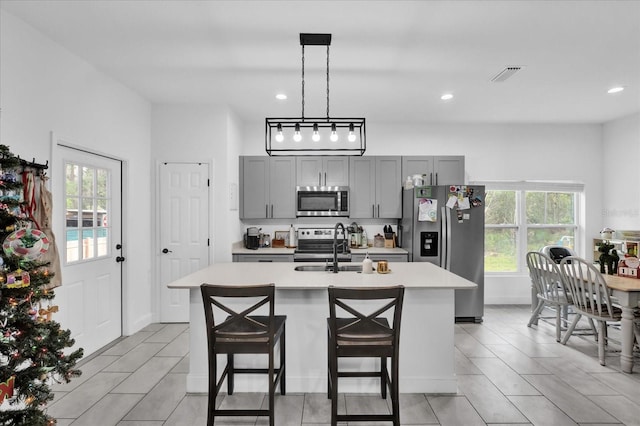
(497, 152)
(620, 163)
(206, 133)
(47, 89)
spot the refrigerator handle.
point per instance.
(445, 258)
(443, 238)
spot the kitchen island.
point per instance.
(427, 357)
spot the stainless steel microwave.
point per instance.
(322, 201)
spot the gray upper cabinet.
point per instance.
(375, 187)
(267, 187)
(438, 170)
(322, 171)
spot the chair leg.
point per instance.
(230, 383)
(536, 313)
(558, 322)
(571, 328)
(213, 387)
(283, 364)
(395, 391)
(333, 369)
(328, 365)
(383, 377)
(593, 327)
(272, 387)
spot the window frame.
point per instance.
(522, 227)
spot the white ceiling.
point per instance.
(390, 61)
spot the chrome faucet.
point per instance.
(335, 244)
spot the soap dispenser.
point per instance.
(367, 265)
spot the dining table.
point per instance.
(627, 291)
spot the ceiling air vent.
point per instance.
(505, 74)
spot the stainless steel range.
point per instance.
(316, 245)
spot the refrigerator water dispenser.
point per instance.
(428, 244)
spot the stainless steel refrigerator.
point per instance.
(444, 225)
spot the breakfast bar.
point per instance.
(427, 358)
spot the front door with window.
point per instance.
(91, 248)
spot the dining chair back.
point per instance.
(353, 332)
(549, 288)
(591, 298)
(237, 324)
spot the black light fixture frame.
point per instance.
(275, 124)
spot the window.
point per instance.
(526, 216)
(87, 203)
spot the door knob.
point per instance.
(119, 259)
(166, 250)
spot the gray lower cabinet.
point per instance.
(267, 187)
(381, 256)
(262, 258)
(375, 187)
(437, 169)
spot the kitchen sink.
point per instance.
(312, 268)
(329, 268)
(352, 268)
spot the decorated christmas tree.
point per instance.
(32, 344)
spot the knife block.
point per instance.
(390, 240)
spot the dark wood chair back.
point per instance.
(245, 326)
(365, 333)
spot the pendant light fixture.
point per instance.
(315, 135)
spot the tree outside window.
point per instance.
(518, 220)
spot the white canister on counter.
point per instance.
(292, 236)
(367, 265)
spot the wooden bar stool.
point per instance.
(242, 333)
(354, 334)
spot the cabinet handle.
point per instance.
(266, 210)
(431, 178)
(373, 210)
(436, 178)
(325, 178)
(378, 210)
(264, 260)
(271, 211)
(320, 178)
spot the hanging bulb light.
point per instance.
(334, 133)
(279, 135)
(316, 135)
(350, 141)
(352, 135)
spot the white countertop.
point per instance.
(238, 248)
(416, 275)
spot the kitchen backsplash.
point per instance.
(371, 227)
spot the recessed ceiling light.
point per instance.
(446, 96)
(281, 96)
(615, 89)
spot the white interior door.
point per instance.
(183, 233)
(91, 247)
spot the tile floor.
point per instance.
(508, 374)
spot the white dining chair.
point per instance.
(591, 298)
(548, 286)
